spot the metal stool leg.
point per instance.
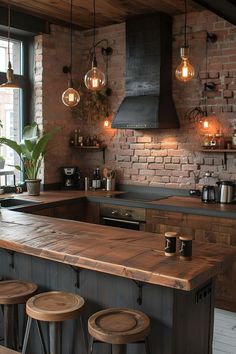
(10, 339)
(147, 347)
(90, 347)
(42, 343)
(55, 337)
(26, 337)
(85, 338)
(119, 349)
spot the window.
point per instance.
(13, 104)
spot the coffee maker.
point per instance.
(71, 178)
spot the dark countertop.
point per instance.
(131, 254)
(185, 204)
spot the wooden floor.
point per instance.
(224, 341)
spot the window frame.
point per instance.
(25, 81)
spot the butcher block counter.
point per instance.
(126, 253)
(113, 267)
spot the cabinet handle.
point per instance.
(160, 217)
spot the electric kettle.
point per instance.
(208, 194)
(226, 191)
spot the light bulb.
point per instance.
(205, 124)
(70, 97)
(106, 123)
(185, 70)
(95, 79)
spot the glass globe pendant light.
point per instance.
(95, 79)
(70, 97)
(10, 73)
(185, 70)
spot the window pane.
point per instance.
(15, 55)
(10, 111)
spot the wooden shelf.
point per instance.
(92, 149)
(223, 151)
(219, 150)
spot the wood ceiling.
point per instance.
(107, 11)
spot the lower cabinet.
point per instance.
(80, 210)
(203, 229)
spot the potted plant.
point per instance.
(2, 162)
(31, 151)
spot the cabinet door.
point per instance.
(160, 221)
(207, 229)
(73, 211)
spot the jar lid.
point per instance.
(170, 234)
(226, 183)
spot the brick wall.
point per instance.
(167, 158)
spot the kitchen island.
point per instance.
(113, 267)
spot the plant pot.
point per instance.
(2, 164)
(33, 186)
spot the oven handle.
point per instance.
(121, 220)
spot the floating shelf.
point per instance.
(92, 149)
(219, 150)
(223, 151)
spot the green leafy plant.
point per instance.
(31, 150)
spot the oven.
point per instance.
(123, 216)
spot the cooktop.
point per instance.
(138, 196)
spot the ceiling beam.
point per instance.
(224, 8)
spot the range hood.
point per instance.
(148, 99)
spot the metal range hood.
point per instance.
(148, 99)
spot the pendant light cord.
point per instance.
(9, 31)
(71, 53)
(205, 88)
(185, 23)
(94, 34)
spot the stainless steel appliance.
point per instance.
(71, 177)
(123, 216)
(208, 194)
(226, 191)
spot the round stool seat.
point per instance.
(5, 350)
(54, 306)
(119, 326)
(16, 291)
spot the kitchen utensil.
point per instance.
(208, 194)
(226, 191)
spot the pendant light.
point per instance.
(185, 71)
(10, 73)
(70, 97)
(95, 79)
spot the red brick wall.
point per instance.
(167, 158)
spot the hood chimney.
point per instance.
(148, 99)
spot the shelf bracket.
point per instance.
(11, 254)
(225, 161)
(139, 284)
(77, 271)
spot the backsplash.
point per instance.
(163, 158)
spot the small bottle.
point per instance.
(98, 174)
(234, 137)
(94, 180)
(80, 139)
(76, 137)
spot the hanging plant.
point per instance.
(94, 105)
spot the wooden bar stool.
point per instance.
(119, 327)
(4, 350)
(13, 293)
(53, 307)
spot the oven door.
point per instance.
(125, 224)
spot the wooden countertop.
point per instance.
(127, 253)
